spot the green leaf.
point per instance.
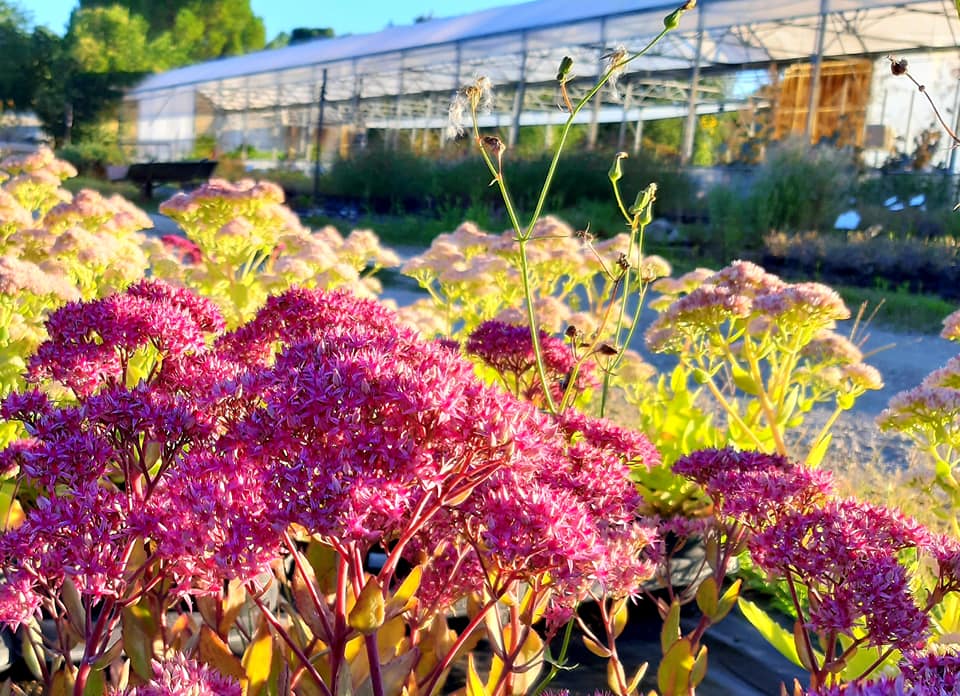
(727, 601)
(805, 651)
(708, 597)
(863, 658)
(139, 628)
(699, 669)
(744, 380)
(819, 450)
(257, 659)
(670, 632)
(368, 613)
(673, 675)
(475, 685)
(790, 403)
(775, 634)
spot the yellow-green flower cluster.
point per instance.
(249, 245)
(764, 348)
(56, 247)
(473, 276)
(34, 180)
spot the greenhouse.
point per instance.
(829, 57)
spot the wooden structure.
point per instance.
(841, 110)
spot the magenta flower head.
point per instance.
(508, 349)
(92, 343)
(846, 553)
(753, 486)
(364, 433)
(933, 673)
(19, 600)
(888, 686)
(299, 314)
(72, 534)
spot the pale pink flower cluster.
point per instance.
(41, 160)
(324, 259)
(113, 216)
(930, 413)
(245, 242)
(702, 307)
(33, 180)
(17, 277)
(180, 676)
(951, 327)
(476, 274)
(13, 217)
(927, 407)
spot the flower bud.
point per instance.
(563, 72)
(616, 171)
(672, 20)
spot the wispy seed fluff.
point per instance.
(475, 97)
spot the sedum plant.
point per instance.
(171, 465)
(930, 415)
(55, 247)
(243, 244)
(868, 585)
(764, 350)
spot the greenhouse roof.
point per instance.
(437, 54)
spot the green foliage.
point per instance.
(800, 188)
(193, 30)
(900, 309)
(91, 157)
(866, 260)
(109, 39)
(764, 369)
(104, 188)
(16, 60)
(398, 181)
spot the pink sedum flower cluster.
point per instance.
(181, 676)
(508, 349)
(846, 553)
(203, 448)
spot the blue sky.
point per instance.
(357, 17)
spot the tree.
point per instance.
(300, 35)
(80, 79)
(16, 81)
(195, 30)
(109, 39)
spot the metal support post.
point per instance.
(690, 125)
(814, 103)
(319, 138)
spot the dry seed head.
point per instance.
(615, 64)
(480, 94)
(455, 115)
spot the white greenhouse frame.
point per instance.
(402, 78)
